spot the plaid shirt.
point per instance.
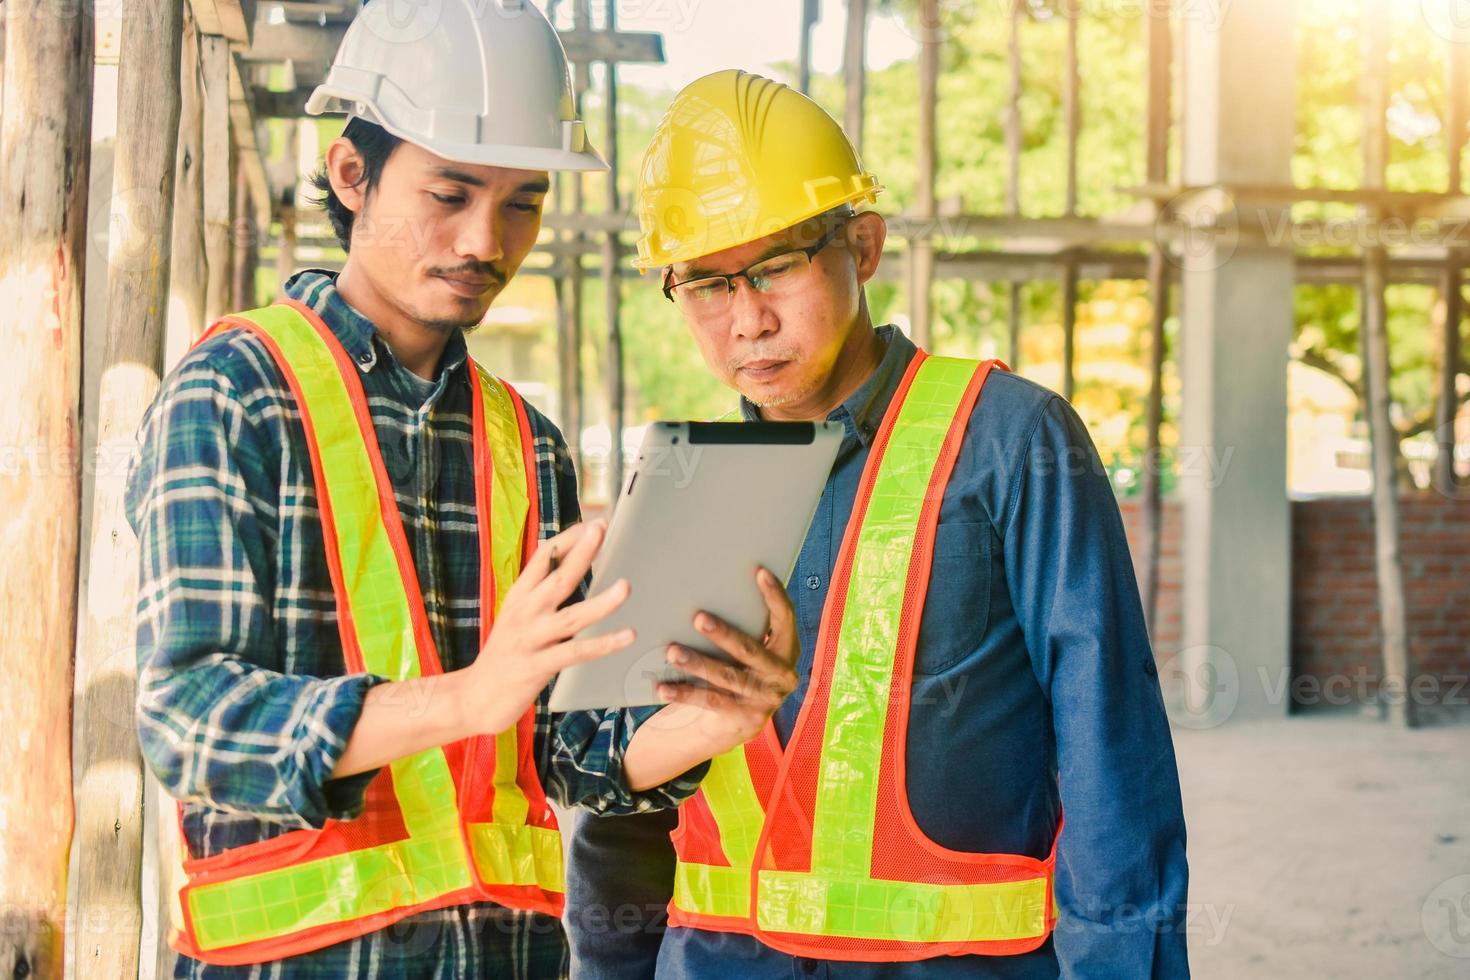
(244, 703)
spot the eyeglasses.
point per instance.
(709, 296)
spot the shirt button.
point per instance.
(813, 582)
(809, 966)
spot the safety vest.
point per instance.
(813, 849)
(465, 822)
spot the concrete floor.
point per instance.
(1328, 846)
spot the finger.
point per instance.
(778, 605)
(740, 645)
(575, 618)
(564, 655)
(546, 556)
(734, 680)
(698, 697)
(560, 583)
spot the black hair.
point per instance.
(375, 144)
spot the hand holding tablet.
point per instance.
(707, 504)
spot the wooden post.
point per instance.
(219, 177)
(286, 253)
(854, 74)
(246, 243)
(1160, 76)
(286, 201)
(110, 807)
(1069, 325)
(188, 269)
(569, 287)
(1072, 114)
(921, 248)
(809, 15)
(1013, 170)
(1394, 702)
(45, 153)
(612, 282)
(1447, 405)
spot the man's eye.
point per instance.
(529, 207)
(447, 198)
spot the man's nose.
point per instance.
(750, 315)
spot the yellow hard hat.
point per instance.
(738, 157)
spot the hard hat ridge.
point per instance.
(471, 81)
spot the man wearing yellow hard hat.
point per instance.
(974, 661)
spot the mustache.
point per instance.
(472, 271)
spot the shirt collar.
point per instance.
(317, 288)
(862, 412)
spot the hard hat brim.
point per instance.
(324, 101)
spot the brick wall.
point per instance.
(1334, 603)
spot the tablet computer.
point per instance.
(705, 505)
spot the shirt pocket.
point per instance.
(957, 608)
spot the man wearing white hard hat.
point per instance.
(360, 552)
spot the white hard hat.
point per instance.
(474, 81)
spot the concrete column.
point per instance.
(1238, 124)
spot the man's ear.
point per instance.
(866, 233)
(345, 171)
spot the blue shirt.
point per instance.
(1034, 689)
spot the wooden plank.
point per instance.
(1070, 284)
(1015, 307)
(921, 250)
(219, 176)
(634, 47)
(1072, 121)
(45, 156)
(312, 46)
(189, 269)
(1425, 203)
(809, 14)
(247, 144)
(246, 245)
(854, 70)
(1451, 288)
(1397, 657)
(110, 805)
(612, 285)
(1156, 139)
(232, 19)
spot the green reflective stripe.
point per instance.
(509, 502)
(857, 705)
(379, 601)
(334, 889)
(518, 855)
(382, 610)
(730, 795)
(509, 505)
(867, 908)
(709, 890)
